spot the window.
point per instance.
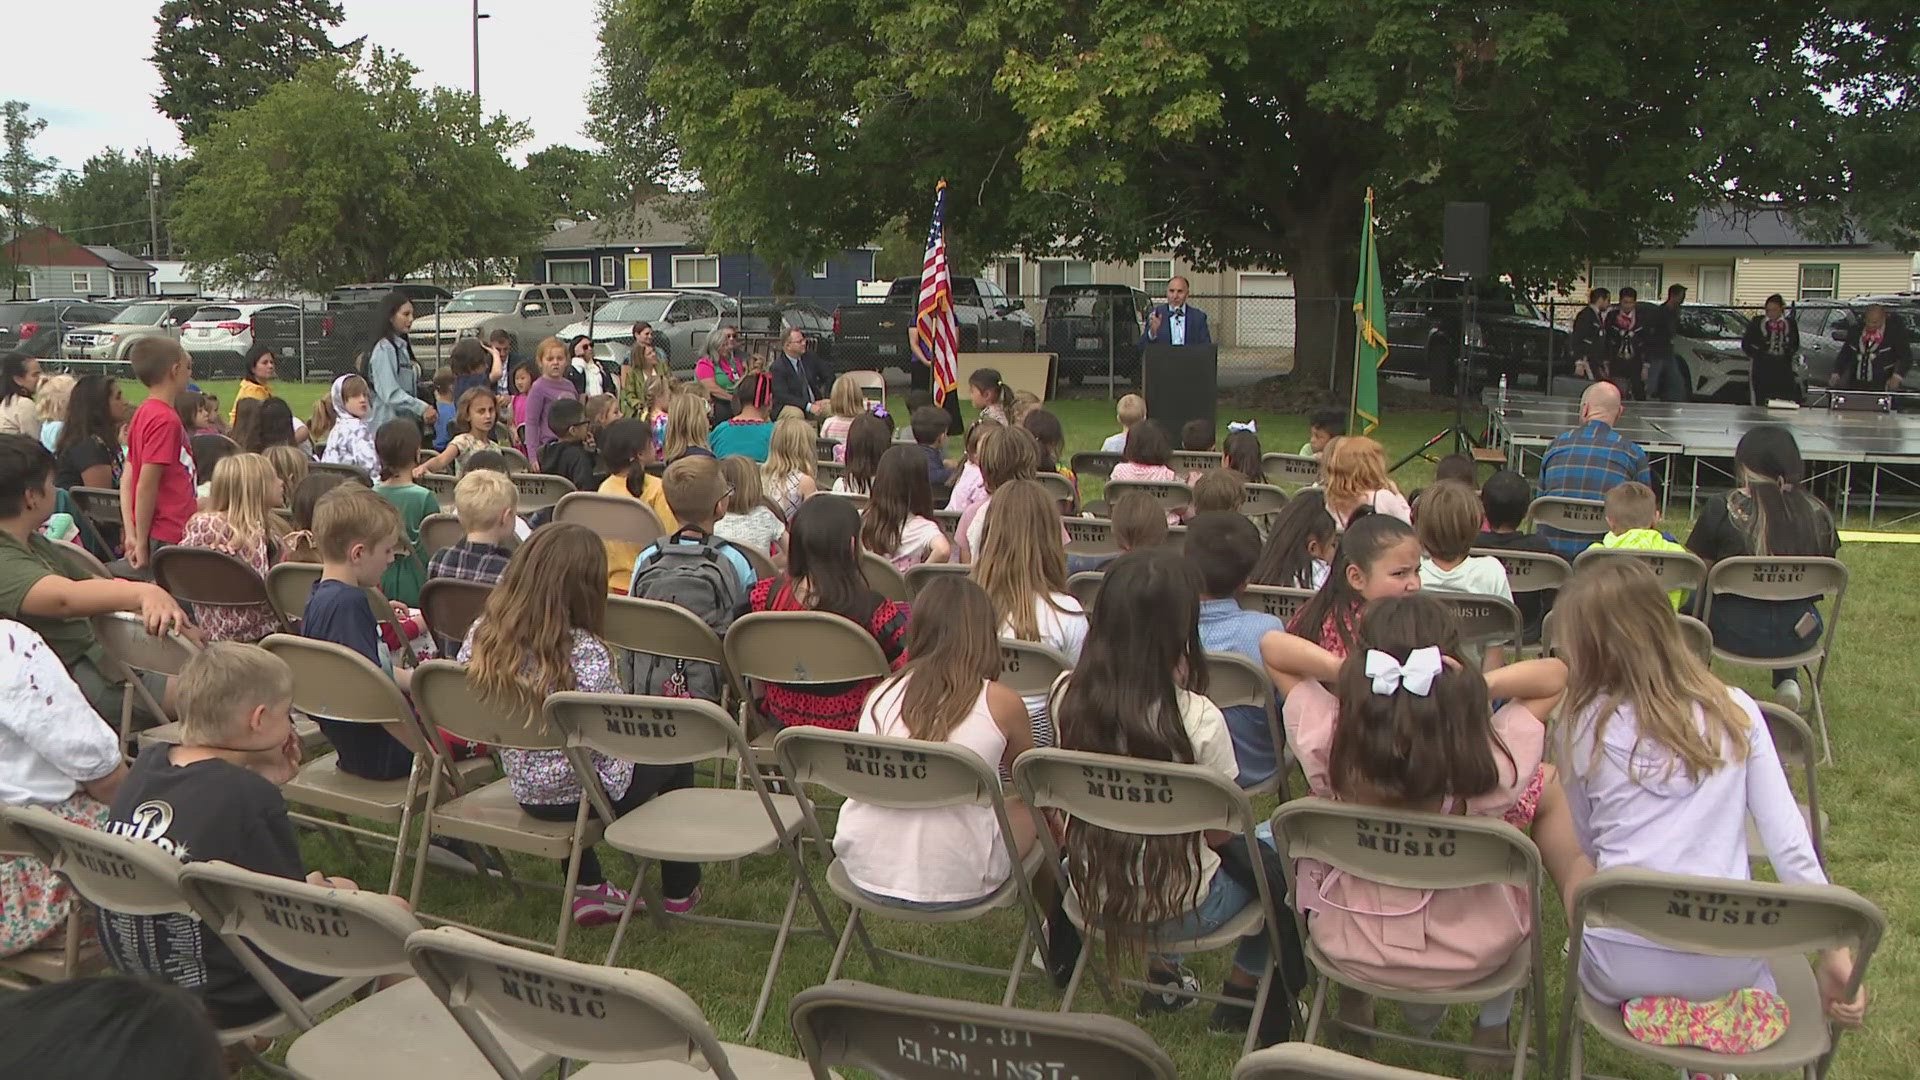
(699, 308)
(1819, 281)
(609, 270)
(1154, 275)
(639, 271)
(1064, 272)
(1645, 281)
(820, 271)
(696, 271)
(570, 271)
(558, 301)
(1007, 273)
(82, 282)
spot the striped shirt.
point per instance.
(1586, 463)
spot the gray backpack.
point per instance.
(699, 577)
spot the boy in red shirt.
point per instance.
(156, 490)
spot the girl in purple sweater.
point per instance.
(551, 386)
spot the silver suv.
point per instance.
(109, 342)
(528, 312)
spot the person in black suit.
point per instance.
(797, 380)
(1770, 343)
(1876, 354)
(1626, 345)
(1176, 322)
(1590, 337)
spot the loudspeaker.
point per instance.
(1464, 240)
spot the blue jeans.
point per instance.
(1225, 898)
(1668, 379)
(1764, 628)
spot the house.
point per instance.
(49, 264)
(1740, 258)
(660, 245)
(1245, 308)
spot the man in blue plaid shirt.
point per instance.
(1590, 461)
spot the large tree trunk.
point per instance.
(1323, 261)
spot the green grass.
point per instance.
(1869, 792)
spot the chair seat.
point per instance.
(1757, 848)
(49, 965)
(1800, 659)
(277, 1025)
(1007, 895)
(322, 784)
(1247, 920)
(748, 1064)
(311, 737)
(1806, 1038)
(1515, 974)
(492, 816)
(402, 1033)
(703, 824)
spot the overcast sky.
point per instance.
(83, 67)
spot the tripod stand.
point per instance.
(1464, 440)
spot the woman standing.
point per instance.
(257, 372)
(719, 371)
(391, 371)
(1771, 343)
(19, 378)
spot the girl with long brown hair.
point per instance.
(1355, 468)
(898, 522)
(868, 437)
(952, 856)
(540, 634)
(239, 520)
(1023, 568)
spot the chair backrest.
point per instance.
(1263, 499)
(1530, 571)
(642, 729)
(1729, 917)
(1674, 569)
(75, 559)
(1089, 536)
(288, 586)
(1232, 679)
(341, 468)
(919, 577)
(440, 484)
(335, 932)
(800, 648)
(1484, 620)
(438, 532)
(1148, 798)
(904, 1036)
(762, 563)
(133, 875)
(883, 577)
(1169, 494)
(823, 447)
(1581, 517)
(1408, 849)
(537, 491)
(867, 379)
(1280, 601)
(1192, 461)
(948, 520)
(1098, 463)
(1290, 470)
(124, 637)
(100, 505)
(1792, 738)
(1304, 1061)
(859, 499)
(614, 517)
(1060, 488)
(516, 461)
(826, 471)
(1085, 587)
(1029, 668)
(1776, 577)
(338, 683)
(446, 701)
(585, 1012)
(208, 577)
(660, 629)
(885, 770)
(1699, 636)
(450, 605)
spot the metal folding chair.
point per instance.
(1234, 680)
(1280, 601)
(1193, 461)
(449, 607)
(883, 577)
(920, 576)
(537, 491)
(1304, 1061)
(75, 957)
(1681, 570)
(205, 578)
(441, 484)
(1586, 519)
(99, 505)
(1093, 463)
(1171, 496)
(1485, 621)
(1291, 470)
(613, 517)
(1784, 578)
(124, 638)
(341, 468)
(1089, 536)
(1793, 742)
(1061, 489)
(438, 532)
(1085, 587)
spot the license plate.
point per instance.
(1086, 343)
(887, 350)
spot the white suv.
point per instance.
(225, 331)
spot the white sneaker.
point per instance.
(1788, 694)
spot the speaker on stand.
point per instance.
(1465, 252)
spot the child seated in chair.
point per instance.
(1633, 523)
(484, 501)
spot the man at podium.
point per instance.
(1175, 322)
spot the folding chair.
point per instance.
(210, 579)
(826, 471)
(693, 824)
(1031, 669)
(1681, 570)
(78, 954)
(796, 648)
(1793, 742)
(867, 379)
(137, 877)
(1699, 637)
(1085, 587)
(883, 577)
(516, 461)
(341, 468)
(1093, 463)
(98, 505)
(919, 577)
(1234, 680)
(1532, 571)
(80, 564)
(1089, 536)
(1061, 488)
(614, 517)
(1485, 620)
(1777, 578)
(1168, 800)
(400, 1033)
(490, 815)
(824, 447)
(289, 584)
(1176, 540)
(892, 1033)
(124, 638)
(1263, 500)
(1171, 496)
(910, 774)
(1192, 461)
(449, 607)
(1280, 601)
(857, 498)
(762, 563)
(1291, 470)
(537, 491)
(948, 520)
(1421, 851)
(579, 1012)
(1722, 917)
(1304, 1061)
(438, 532)
(1586, 519)
(441, 484)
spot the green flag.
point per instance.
(1369, 340)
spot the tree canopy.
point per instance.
(106, 201)
(218, 56)
(1247, 132)
(351, 173)
(575, 183)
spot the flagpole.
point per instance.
(1353, 390)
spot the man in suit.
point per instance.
(1174, 322)
(1876, 354)
(797, 380)
(1590, 337)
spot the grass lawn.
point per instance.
(1869, 792)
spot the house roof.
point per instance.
(661, 221)
(120, 260)
(1722, 227)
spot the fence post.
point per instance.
(1333, 347)
(1553, 326)
(300, 347)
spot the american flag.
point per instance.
(936, 339)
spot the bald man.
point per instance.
(1590, 461)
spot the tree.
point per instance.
(107, 201)
(624, 117)
(575, 183)
(1247, 132)
(219, 56)
(350, 173)
(21, 175)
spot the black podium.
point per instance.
(1182, 383)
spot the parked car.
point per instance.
(772, 319)
(36, 327)
(108, 342)
(427, 298)
(876, 335)
(1825, 326)
(1088, 325)
(528, 312)
(1708, 339)
(219, 335)
(1427, 330)
(681, 320)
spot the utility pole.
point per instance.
(477, 16)
(153, 206)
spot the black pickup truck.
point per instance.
(876, 335)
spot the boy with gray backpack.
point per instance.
(692, 569)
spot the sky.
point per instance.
(93, 84)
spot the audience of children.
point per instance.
(1355, 468)
(484, 502)
(898, 523)
(787, 478)
(748, 519)
(1300, 544)
(868, 437)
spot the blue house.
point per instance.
(658, 245)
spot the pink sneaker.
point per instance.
(682, 906)
(600, 906)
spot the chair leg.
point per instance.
(1820, 718)
(1260, 995)
(566, 903)
(426, 835)
(626, 914)
(1317, 1010)
(1079, 970)
(773, 962)
(1019, 963)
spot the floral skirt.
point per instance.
(34, 901)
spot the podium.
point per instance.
(1182, 383)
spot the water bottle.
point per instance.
(1503, 393)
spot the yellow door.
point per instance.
(639, 272)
